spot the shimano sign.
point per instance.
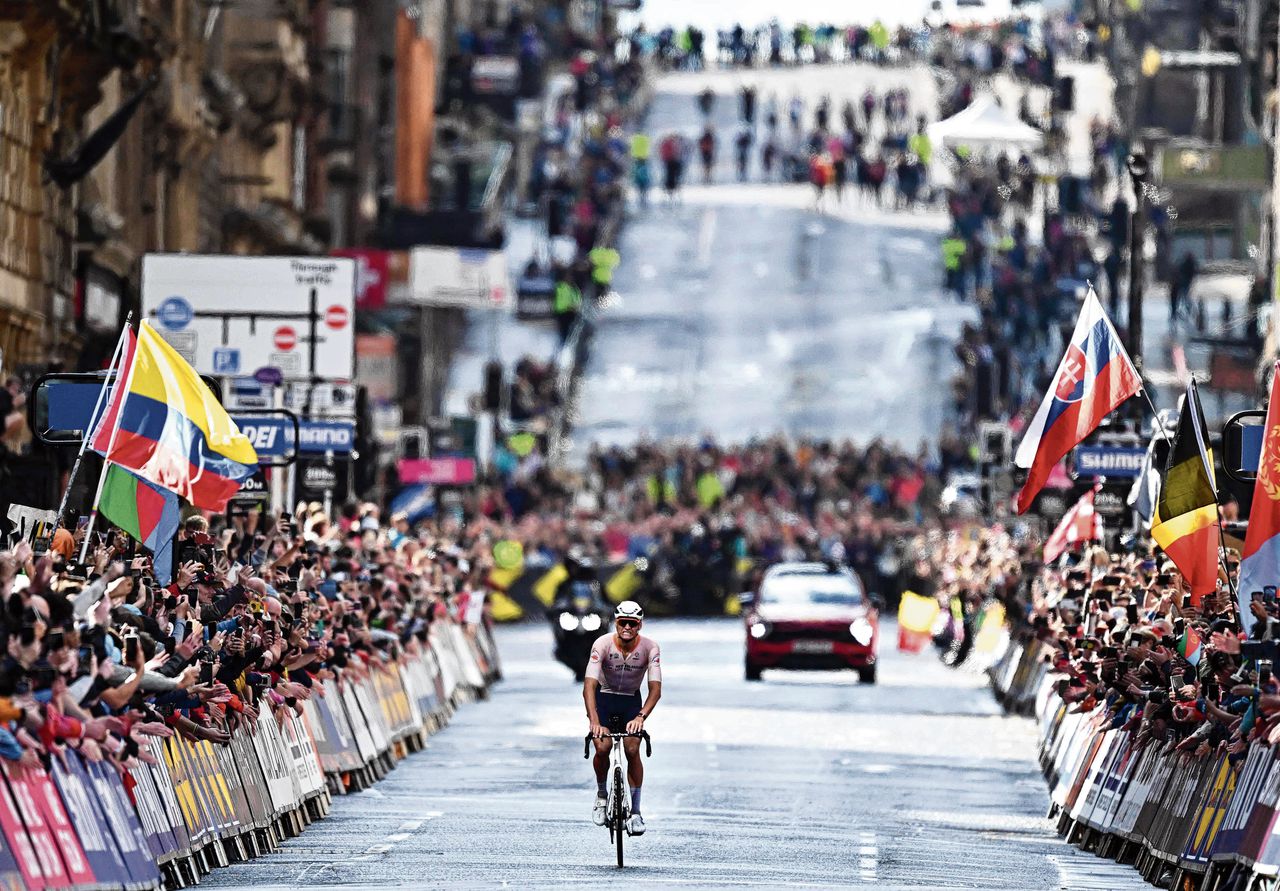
(273, 437)
(1109, 461)
(318, 437)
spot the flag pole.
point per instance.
(116, 357)
(1156, 414)
(106, 463)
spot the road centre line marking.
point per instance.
(706, 235)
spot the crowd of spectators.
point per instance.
(703, 516)
(258, 613)
(1124, 636)
(1020, 45)
(578, 186)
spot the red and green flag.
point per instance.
(1189, 646)
(149, 513)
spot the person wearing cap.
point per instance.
(611, 691)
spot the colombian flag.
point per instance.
(1185, 524)
(147, 512)
(166, 426)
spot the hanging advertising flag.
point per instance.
(377, 365)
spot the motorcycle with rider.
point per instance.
(578, 613)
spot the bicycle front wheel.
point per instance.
(619, 821)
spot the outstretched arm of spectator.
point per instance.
(95, 590)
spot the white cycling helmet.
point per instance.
(629, 609)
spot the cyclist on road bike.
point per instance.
(612, 694)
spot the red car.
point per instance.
(811, 616)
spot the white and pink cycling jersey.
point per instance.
(620, 672)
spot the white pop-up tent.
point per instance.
(985, 125)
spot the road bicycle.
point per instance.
(618, 801)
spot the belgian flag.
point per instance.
(1185, 523)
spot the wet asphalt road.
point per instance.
(804, 780)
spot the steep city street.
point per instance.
(743, 311)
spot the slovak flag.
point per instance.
(1260, 561)
(1093, 377)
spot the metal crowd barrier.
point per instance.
(1183, 822)
(85, 824)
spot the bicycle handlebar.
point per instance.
(643, 734)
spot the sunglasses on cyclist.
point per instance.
(626, 623)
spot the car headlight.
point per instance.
(590, 622)
(759, 629)
(862, 631)
(568, 621)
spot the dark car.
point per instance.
(811, 616)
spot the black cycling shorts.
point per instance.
(615, 710)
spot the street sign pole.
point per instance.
(328, 492)
(277, 477)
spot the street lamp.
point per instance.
(1139, 170)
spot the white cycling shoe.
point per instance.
(597, 812)
(636, 825)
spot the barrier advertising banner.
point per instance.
(85, 812)
(87, 824)
(1199, 816)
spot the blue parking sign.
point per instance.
(226, 360)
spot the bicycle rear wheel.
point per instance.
(619, 823)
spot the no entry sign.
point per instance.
(336, 317)
(286, 338)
